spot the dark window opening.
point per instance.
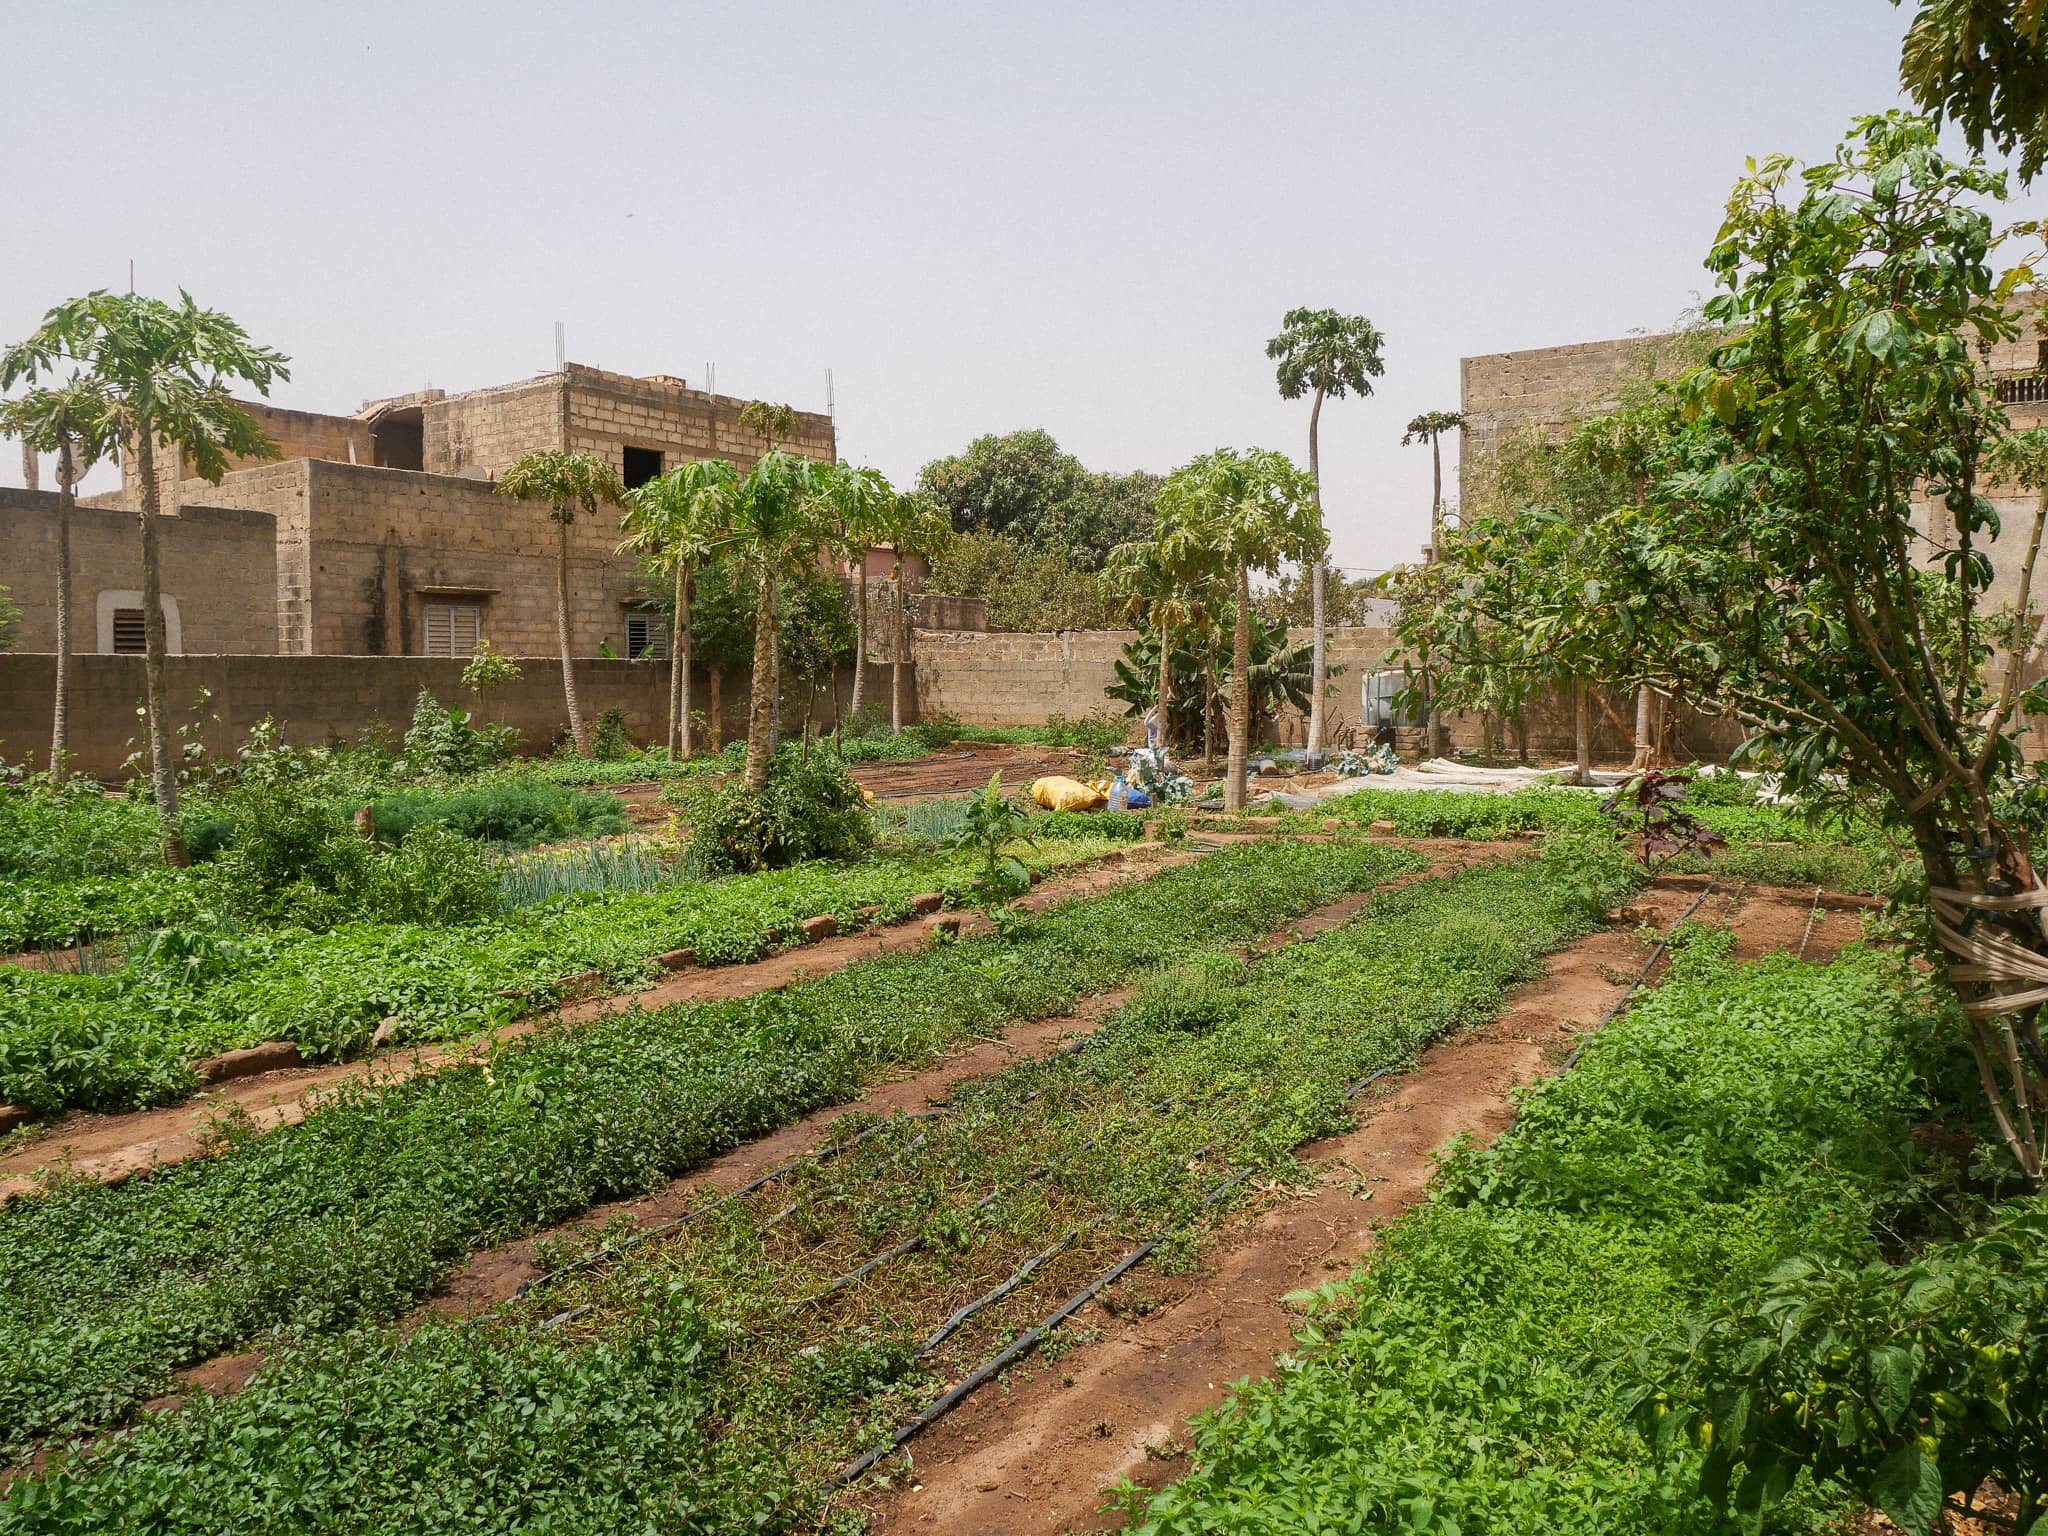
(646, 636)
(399, 443)
(128, 632)
(641, 466)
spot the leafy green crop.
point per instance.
(358, 1210)
(1737, 1115)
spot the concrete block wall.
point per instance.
(219, 563)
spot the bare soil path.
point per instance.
(493, 1276)
(112, 1148)
(1035, 1452)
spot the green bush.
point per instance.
(609, 741)
(935, 731)
(809, 809)
(505, 813)
(69, 830)
(441, 742)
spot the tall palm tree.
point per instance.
(673, 521)
(70, 420)
(919, 531)
(162, 372)
(1242, 512)
(1321, 352)
(777, 527)
(1429, 428)
(1142, 584)
(774, 425)
(569, 482)
(862, 509)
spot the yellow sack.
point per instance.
(1059, 793)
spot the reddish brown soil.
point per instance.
(113, 1148)
(1037, 1455)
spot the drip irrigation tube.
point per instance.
(1641, 976)
(821, 1154)
(1024, 1342)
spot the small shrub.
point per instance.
(512, 813)
(991, 822)
(609, 743)
(1096, 731)
(868, 723)
(442, 742)
(939, 731)
(436, 876)
(810, 809)
(1189, 1000)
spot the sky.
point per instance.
(1087, 218)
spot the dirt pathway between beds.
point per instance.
(113, 1148)
(1034, 1452)
(491, 1276)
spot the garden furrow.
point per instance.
(1040, 1456)
(727, 1365)
(361, 1209)
(116, 1147)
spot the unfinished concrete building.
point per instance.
(381, 533)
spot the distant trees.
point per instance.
(1325, 355)
(569, 482)
(160, 374)
(1024, 588)
(1025, 487)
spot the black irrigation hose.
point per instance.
(822, 1154)
(1021, 1345)
(1641, 976)
(1024, 1342)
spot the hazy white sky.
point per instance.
(1084, 217)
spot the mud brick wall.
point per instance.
(220, 564)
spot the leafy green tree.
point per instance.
(1324, 354)
(1280, 670)
(1024, 485)
(160, 374)
(70, 420)
(569, 482)
(671, 522)
(1241, 513)
(1775, 570)
(1024, 589)
(1983, 66)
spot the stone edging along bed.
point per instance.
(283, 1055)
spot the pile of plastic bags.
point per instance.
(1378, 758)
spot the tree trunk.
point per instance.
(1319, 576)
(717, 709)
(775, 688)
(1435, 734)
(60, 715)
(1240, 712)
(163, 767)
(1521, 738)
(576, 732)
(898, 681)
(1582, 729)
(761, 706)
(860, 633)
(679, 668)
(1645, 734)
(1165, 690)
(32, 467)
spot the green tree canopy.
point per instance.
(1024, 485)
(1983, 66)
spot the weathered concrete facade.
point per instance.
(219, 574)
(387, 536)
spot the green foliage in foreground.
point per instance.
(1212, 1066)
(359, 1210)
(123, 1040)
(1739, 1115)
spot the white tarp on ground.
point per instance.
(1438, 773)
